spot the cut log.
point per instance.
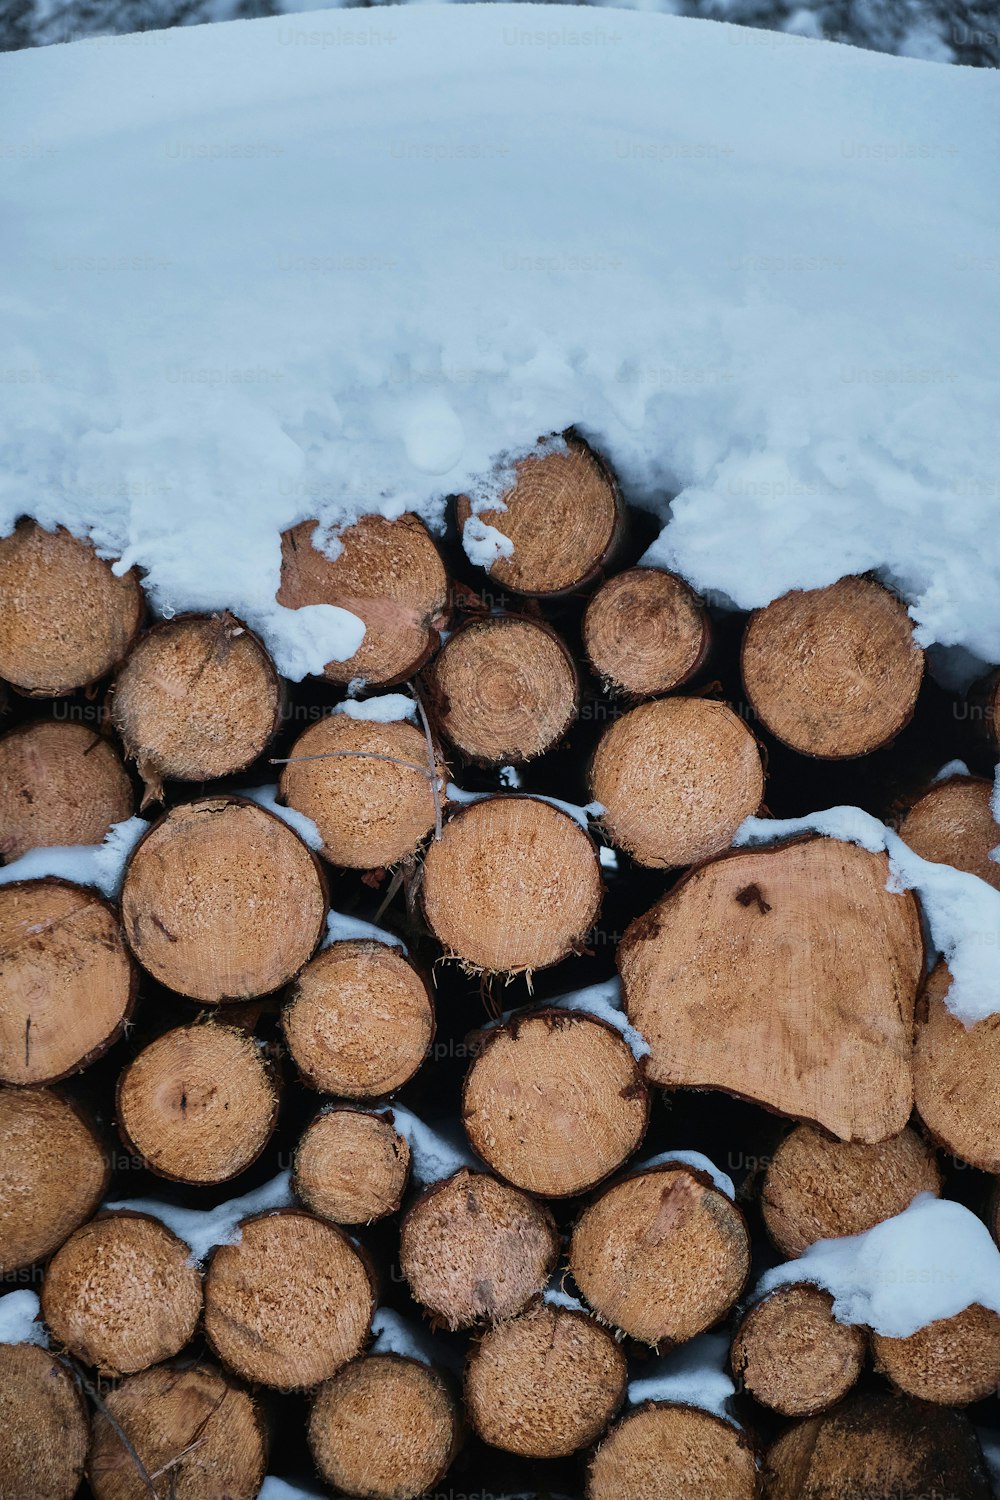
(645, 632)
(366, 786)
(386, 1428)
(667, 1449)
(66, 620)
(475, 1250)
(222, 901)
(504, 690)
(686, 1247)
(359, 1020)
(67, 984)
(290, 1303)
(952, 824)
(198, 697)
(676, 778)
(879, 1448)
(983, 708)
(545, 1384)
(563, 514)
(786, 976)
(951, 1361)
(818, 1188)
(44, 1424)
(389, 574)
(791, 1354)
(53, 1174)
(833, 672)
(121, 1294)
(60, 784)
(352, 1167)
(513, 884)
(191, 1426)
(956, 1077)
(198, 1104)
(554, 1102)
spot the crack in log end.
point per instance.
(752, 894)
(170, 937)
(27, 1042)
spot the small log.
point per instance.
(475, 1250)
(645, 632)
(665, 1449)
(122, 1294)
(66, 620)
(545, 1384)
(563, 514)
(53, 1174)
(956, 1077)
(833, 672)
(199, 1104)
(554, 1102)
(198, 697)
(818, 1188)
(786, 976)
(878, 1447)
(951, 1361)
(67, 984)
(686, 1247)
(389, 574)
(676, 778)
(44, 1425)
(60, 784)
(222, 901)
(504, 689)
(359, 1020)
(513, 884)
(366, 786)
(952, 824)
(351, 1167)
(385, 1427)
(791, 1354)
(192, 1428)
(290, 1303)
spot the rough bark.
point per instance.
(60, 784)
(53, 1174)
(791, 1354)
(645, 632)
(352, 1167)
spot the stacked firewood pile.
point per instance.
(189, 1037)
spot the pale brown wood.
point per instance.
(676, 778)
(833, 672)
(791, 1354)
(60, 784)
(663, 1449)
(512, 884)
(956, 1077)
(222, 901)
(53, 1174)
(645, 632)
(389, 574)
(351, 1167)
(546, 1383)
(67, 984)
(786, 976)
(44, 1433)
(952, 824)
(66, 620)
(951, 1361)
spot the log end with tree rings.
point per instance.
(60, 784)
(199, 1104)
(663, 1449)
(97, 1297)
(475, 1250)
(951, 1361)
(513, 884)
(389, 574)
(956, 1076)
(546, 1383)
(66, 619)
(44, 1427)
(352, 1166)
(290, 1303)
(67, 984)
(359, 1020)
(554, 1102)
(504, 690)
(53, 1174)
(645, 632)
(791, 1354)
(686, 1246)
(222, 901)
(833, 672)
(367, 787)
(563, 514)
(385, 1427)
(953, 824)
(676, 778)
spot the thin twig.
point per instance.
(70, 1364)
(430, 757)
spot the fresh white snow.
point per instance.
(386, 708)
(394, 1334)
(603, 1000)
(556, 1296)
(281, 1489)
(434, 1153)
(100, 865)
(341, 928)
(267, 797)
(696, 1374)
(204, 1228)
(18, 1311)
(699, 1162)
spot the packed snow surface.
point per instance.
(696, 1160)
(697, 1374)
(387, 708)
(18, 1311)
(257, 279)
(101, 865)
(435, 1153)
(267, 798)
(204, 1228)
(604, 1001)
(342, 928)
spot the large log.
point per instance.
(951, 1361)
(791, 1354)
(43, 1421)
(53, 1174)
(666, 1449)
(645, 632)
(956, 1076)
(952, 824)
(351, 1166)
(60, 784)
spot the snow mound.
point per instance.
(267, 798)
(101, 865)
(603, 1000)
(18, 1311)
(387, 708)
(696, 1374)
(434, 1154)
(698, 1162)
(341, 928)
(204, 1228)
